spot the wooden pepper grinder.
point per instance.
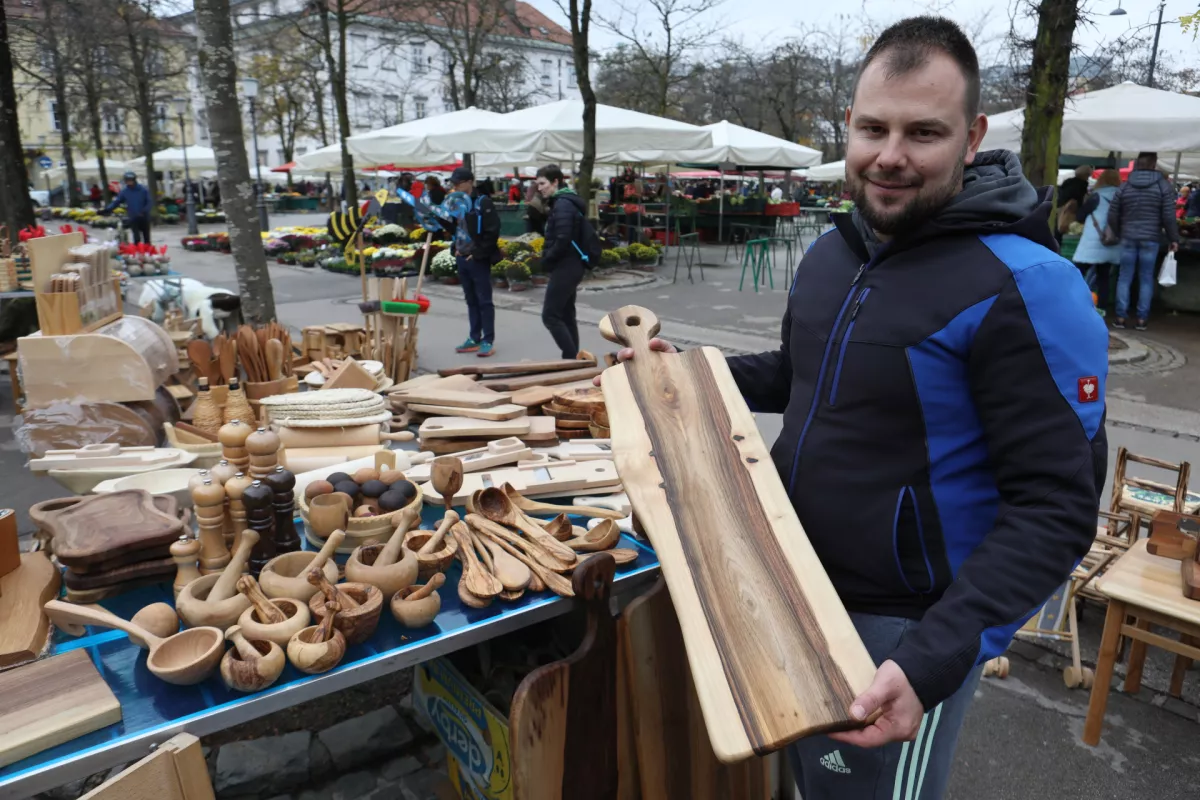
(263, 447)
(207, 415)
(222, 471)
(232, 436)
(234, 488)
(282, 483)
(237, 406)
(209, 500)
(257, 498)
(185, 553)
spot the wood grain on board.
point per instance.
(545, 379)
(50, 702)
(457, 398)
(543, 393)
(23, 625)
(106, 525)
(772, 650)
(518, 367)
(502, 411)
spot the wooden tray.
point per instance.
(711, 474)
(106, 525)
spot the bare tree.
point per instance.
(663, 55)
(579, 12)
(218, 70)
(285, 98)
(16, 211)
(91, 90)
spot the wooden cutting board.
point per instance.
(772, 650)
(543, 393)
(50, 702)
(546, 379)
(502, 411)
(464, 428)
(23, 592)
(106, 525)
(519, 367)
(563, 722)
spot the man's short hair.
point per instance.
(907, 45)
(1147, 159)
(552, 173)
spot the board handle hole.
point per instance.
(632, 321)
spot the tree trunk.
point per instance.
(1041, 138)
(581, 20)
(97, 126)
(16, 210)
(338, 74)
(218, 71)
(59, 86)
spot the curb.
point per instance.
(1135, 351)
(637, 279)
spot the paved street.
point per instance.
(1021, 739)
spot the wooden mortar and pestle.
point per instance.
(271, 620)
(184, 658)
(435, 549)
(417, 606)
(376, 564)
(319, 648)
(213, 599)
(286, 576)
(251, 665)
(360, 604)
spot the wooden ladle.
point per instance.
(534, 507)
(287, 575)
(271, 620)
(495, 505)
(213, 599)
(318, 648)
(377, 565)
(158, 618)
(602, 537)
(183, 659)
(251, 665)
(417, 606)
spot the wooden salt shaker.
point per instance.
(257, 498)
(232, 436)
(234, 488)
(282, 483)
(237, 406)
(185, 553)
(263, 447)
(209, 500)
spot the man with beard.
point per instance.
(941, 376)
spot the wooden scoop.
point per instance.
(287, 575)
(475, 578)
(542, 577)
(534, 507)
(495, 505)
(602, 537)
(319, 648)
(158, 618)
(183, 659)
(251, 665)
(560, 527)
(446, 475)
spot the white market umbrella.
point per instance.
(1126, 118)
(408, 142)
(734, 144)
(90, 168)
(198, 158)
(324, 159)
(558, 128)
(827, 173)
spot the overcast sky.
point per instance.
(761, 21)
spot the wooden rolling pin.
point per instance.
(340, 437)
(303, 459)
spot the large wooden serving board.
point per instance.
(50, 702)
(103, 526)
(772, 650)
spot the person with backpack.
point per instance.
(571, 247)
(1140, 212)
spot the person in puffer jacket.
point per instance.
(1143, 208)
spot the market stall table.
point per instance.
(1149, 589)
(153, 711)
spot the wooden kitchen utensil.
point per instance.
(441, 552)
(50, 702)
(536, 507)
(524, 551)
(200, 356)
(461, 427)
(158, 618)
(183, 659)
(381, 565)
(213, 599)
(475, 578)
(319, 648)
(274, 358)
(500, 412)
(602, 537)
(251, 665)
(186, 554)
(495, 505)
(457, 398)
(99, 527)
(208, 498)
(538, 479)
(446, 475)
(358, 621)
(563, 721)
(287, 575)
(510, 570)
(24, 629)
(232, 436)
(551, 379)
(296, 617)
(417, 606)
(711, 473)
(495, 454)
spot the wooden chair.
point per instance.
(1145, 497)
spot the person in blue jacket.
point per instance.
(941, 378)
(136, 199)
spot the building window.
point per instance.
(419, 106)
(546, 65)
(54, 126)
(361, 51)
(391, 109)
(262, 158)
(419, 64)
(388, 55)
(299, 151)
(113, 120)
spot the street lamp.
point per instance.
(250, 89)
(189, 199)
(1120, 12)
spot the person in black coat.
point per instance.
(561, 257)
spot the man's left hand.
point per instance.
(900, 710)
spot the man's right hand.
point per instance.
(626, 353)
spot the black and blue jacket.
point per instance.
(943, 401)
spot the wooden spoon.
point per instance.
(560, 527)
(477, 580)
(511, 571)
(446, 475)
(621, 555)
(228, 357)
(248, 352)
(184, 659)
(542, 578)
(267, 611)
(602, 537)
(534, 551)
(158, 618)
(200, 355)
(246, 668)
(496, 506)
(532, 506)
(274, 355)
(435, 542)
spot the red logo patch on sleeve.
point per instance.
(1089, 389)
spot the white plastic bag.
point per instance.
(1166, 275)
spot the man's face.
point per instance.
(908, 140)
(545, 188)
(130, 181)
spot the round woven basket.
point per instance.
(359, 529)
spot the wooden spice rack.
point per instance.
(73, 285)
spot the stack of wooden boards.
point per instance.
(578, 413)
(74, 288)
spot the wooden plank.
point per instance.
(518, 367)
(465, 428)
(454, 397)
(50, 702)
(500, 412)
(23, 625)
(551, 379)
(541, 394)
(175, 771)
(695, 467)
(494, 454)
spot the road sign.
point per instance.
(45, 163)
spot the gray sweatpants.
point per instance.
(916, 770)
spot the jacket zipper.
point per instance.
(816, 398)
(908, 491)
(837, 370)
